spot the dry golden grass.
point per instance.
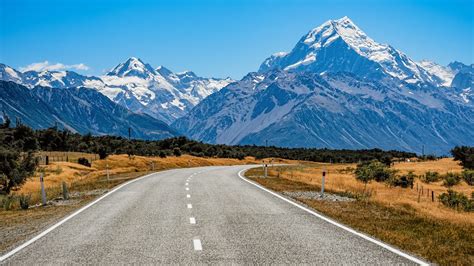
(340, 178)
(438, 240)
(120, 167)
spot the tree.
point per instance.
(15, 169)
(465, 154)
(177, 152)
(103, 153)
(373, 170)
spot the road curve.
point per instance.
(199, 215)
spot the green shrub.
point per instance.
(24, 201)
(7, 202)
(84, 162)
(431, 177)
(456, 200)
(451, 179)
(468, 176)
(403, 181)
(177, 152)
(374, 170)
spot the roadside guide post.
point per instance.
(107, 171)
(43, 192)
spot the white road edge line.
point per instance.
(192, 220)
(197, 244)
(377, 242)
(45, 232)
(190, 206)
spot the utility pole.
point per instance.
(423, 150)
(129, 133)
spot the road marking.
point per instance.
(197, 244)
(190, 206)
(187, 188)
(188, 196)
(187, 184)
(192, 220)
(45, 232)
(377, 242)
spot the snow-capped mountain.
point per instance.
(338, 88)
(80, 110)
(133, 84)
(340, 46)
(334, 110)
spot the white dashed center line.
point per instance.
(190, 206)
(187, 188)
(197, 244)
(187, 184)
(192, 220)
(188, 196)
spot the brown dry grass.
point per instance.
(120, 167)
(340, 178)
(437, 240)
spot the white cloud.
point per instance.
(42, 66)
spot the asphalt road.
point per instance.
(223, 220)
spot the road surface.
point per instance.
(199, 216)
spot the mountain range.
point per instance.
(337, 88)
(159, 92)
(79, 110)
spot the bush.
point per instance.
(465, 154)
(15, 169)
(84, 162)
(403, 181)
(103, 153)
(374, 170)
(177, 152)
(431, 177)
(468, 176)
(7, 202)
(451, 179)
(162, 154)
(456, 200)
(24, 201)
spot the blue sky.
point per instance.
(218, 38)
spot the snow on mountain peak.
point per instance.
(327, 45)
(133, 67)
(445, 74)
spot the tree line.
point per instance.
(18, 145)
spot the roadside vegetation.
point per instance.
(409, 204)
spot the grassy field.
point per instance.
(394, 215)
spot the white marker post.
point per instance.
(266, 170)
(43, 192)
(107, 170)
(322, 182)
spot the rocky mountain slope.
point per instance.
(80, 110)
(338, 88)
